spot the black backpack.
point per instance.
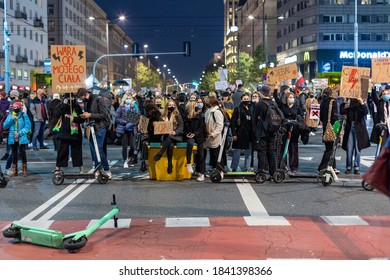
(273, 118)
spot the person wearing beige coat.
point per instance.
(214, 124)
(313, 124)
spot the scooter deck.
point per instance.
(305, 175)
(79, 176)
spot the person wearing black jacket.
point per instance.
(153, 113)
(56, 101)
(264, 141)
(97, 111)
(355, 134)
(327, 101)
(382, 104)
(69, 132)
(291, 110)
(242, 131)
(194, 129)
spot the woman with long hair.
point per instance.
(171, 114)
(194, 128)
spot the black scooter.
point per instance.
(102, 178)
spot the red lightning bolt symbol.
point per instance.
(352, 78)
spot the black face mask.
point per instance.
(159, 106)
(171, 109)
(12, 97)
(17, 110)
(246, 103)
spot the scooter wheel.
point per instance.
(279, 177)
(215, 176)
(11, 232)
(366, 186)
(324, 182)
(58, 178)
(71, 244)
(102, 179)
(3, 182)
(260, 178)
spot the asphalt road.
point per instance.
(36, 198)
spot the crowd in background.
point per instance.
(198, 118)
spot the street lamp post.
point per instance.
(355, 38)
(252, 18)
(6, 46)
(265, 39)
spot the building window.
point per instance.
(31, 55)
(334, 36)
(25, 75)
(332, 19)
(365, 37)
(365, 2)
(50, 9)
(50, 25)
(20, 77)
(366, 18)
(13, 73)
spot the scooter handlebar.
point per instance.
(381, 126)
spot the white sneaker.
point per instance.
(8, 172)
(200, 178)
(190, 169)
(312, 134)
(108, 174)
(126, 165)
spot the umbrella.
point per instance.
(120, 83)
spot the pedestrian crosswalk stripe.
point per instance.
(187, 222)
(344, 220)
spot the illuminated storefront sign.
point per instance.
(290, 59)
(364, 55)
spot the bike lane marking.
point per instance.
(258, 214)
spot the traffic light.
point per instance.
(187, 48)
(135, 48)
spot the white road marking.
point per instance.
(258, 214)
(187, 222)
(306, 158)
(344, 220)
(37, 224)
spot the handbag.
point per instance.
(378, 175)
(329, 134)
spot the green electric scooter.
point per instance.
(55, 239)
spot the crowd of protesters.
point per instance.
(198, 118)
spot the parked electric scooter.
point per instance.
(219, 173)
(280, 174)
(102, 178)
(55, 239)
(382, 127)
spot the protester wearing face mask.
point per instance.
(127, 119)
(242, 131)
(382, 103)
(19, 125)
(291, 111)
(172, 114)
(194, 129)
(39, 110)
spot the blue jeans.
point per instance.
(39, 129)
(353, 150)
(100, 135)
(236, 159)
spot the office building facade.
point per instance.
(318, 35)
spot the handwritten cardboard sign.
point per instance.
(68, 68)
(380, 69)
(143, 124)
(320, 83)
(221, 85)
(314, 111)
(351, 86)
(282, 73)
(163, 127)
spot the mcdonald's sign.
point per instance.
(306, 56)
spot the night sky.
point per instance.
(165, 24)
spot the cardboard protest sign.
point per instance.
(68, 68)
(163, 127)
(351, 86)
(314, 111)
(380, 70)
(222, 85)
(320, 83)
(365, 84)
(282, 73)
(143, 124)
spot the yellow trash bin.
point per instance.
(158, 169)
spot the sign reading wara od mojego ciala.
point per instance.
(380, 70)
(282, 73)
(68, 68)
(351, 86)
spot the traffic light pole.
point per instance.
(6, 49)
(186, 52)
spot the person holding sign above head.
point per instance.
(171, 114)
(312, 112)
